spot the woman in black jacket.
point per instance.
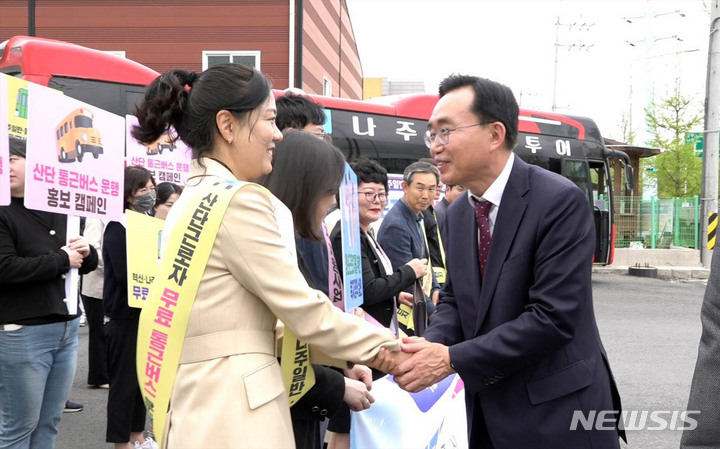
(125, 407)
(38, 336)
(383, 284)
(297, 160)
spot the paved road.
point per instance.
(650, 329)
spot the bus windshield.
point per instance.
(82, 121)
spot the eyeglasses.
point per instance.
(323, 135)
(370, 196)
(443, 136)
(145, 190)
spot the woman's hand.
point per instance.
(74, 257)
(357, 396)
(80, 245)
(419, 266)
(361, 373)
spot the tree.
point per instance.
(678, 169)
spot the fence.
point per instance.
(657, 223)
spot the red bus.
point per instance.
(389, 130)
(95, 77)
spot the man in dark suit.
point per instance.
(401, 233)
(515, 318)
(706, 380)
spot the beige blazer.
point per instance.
(229, 391)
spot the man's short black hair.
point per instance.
(493, 101)
(296, 111)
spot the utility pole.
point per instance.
(31, 17)
(579, 46)
(557, 45)
(711, 137)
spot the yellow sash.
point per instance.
(298, 374)
(163, 320)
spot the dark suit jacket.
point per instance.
(706, 381)
(431, 231)
(440, 211)
(401, 239)
(524, 338)
(378, 289)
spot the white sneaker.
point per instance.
(148, 444)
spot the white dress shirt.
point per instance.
(494, 193)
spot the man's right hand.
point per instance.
(74, 257)
(419, 266)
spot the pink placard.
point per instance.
(168, 159)
(75, 155)
(4, 136)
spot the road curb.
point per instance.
(664, 272)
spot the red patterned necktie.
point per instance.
(482, 212)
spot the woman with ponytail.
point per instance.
(228, 260)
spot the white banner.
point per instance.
(432, 418)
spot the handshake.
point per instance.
(418, 365)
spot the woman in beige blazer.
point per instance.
(229, 392)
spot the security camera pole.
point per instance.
(711, 139)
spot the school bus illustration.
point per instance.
(164, 142)
(76, 136)
(21, 103)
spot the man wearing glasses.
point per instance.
(515, 318)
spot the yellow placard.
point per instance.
(17, 107)
(143, 255)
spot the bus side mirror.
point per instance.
(629, 177)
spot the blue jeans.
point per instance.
(37, 368)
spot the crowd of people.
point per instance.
(503, 261)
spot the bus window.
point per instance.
(598, 177)
(394, 142)
(579, 174)
(83, 121)
(117, 98)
